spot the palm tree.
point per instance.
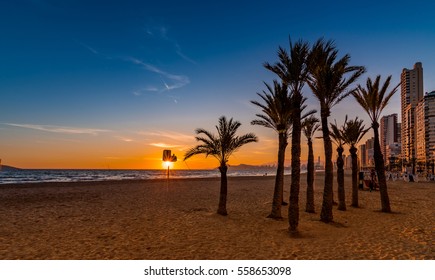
(413, 164)
(353, 132)
(373, 99)
(328, 82)
(337, 136)
(221, 147)
(277, 112)
(292, 69)
(309, 126)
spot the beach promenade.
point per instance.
(157, 219)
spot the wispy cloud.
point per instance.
(146, 90)
(180, 137)
(157, 31)
(154, 90)
(125, 139)
(183, 55)
(89, 48)
(59, 129)
(95, 51)
(164, 145)
(170, 81)
(161, 32)
(168, 139)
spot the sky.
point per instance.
(110, 84)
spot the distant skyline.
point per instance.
(98, 84)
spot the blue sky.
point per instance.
(96, 83)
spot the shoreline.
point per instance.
(176, 219)
(127, 181)
(64, 176)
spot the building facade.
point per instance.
(362, 155)
(425, 129)
(388, 133)
(411, 95)
(366, 154)
(420, 131)
(370, 152)
(392, 153)
(430, 126)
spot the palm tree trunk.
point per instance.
(380, 170)
(340, 180)
(293, 208)
(413, 160)
(353, 151)
(326, 213)
(279, 179)
(310, 179)
(222, 209)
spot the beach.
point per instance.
(176, 219)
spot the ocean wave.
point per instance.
(62, 175)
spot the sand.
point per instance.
(154, 219)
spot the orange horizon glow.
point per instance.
(151, 161)
(44, 151)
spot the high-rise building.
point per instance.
(388, 133)
(411, 94)
(430, 125)
(420, 131)
(370, 152)
(362, 155)
(399, 132)
(392, 153)
(425, 126)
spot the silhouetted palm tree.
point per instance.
(292, 70)
(221, 146)
(413, 162)
(337, 136)
(328, 82)
(373, 99)
(309, 126)
(277, 111)
(353, 132)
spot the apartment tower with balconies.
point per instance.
(411, 95)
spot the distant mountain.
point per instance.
(9, 168)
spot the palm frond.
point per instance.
(200, 149)
(373, 98)
(277, 107)
(222, 145)
(264, 121)
(330, 79)
(353, 131)
(291, 67)
(336, 134)
(309, 126)
(308, 114)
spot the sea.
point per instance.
(88, 175)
